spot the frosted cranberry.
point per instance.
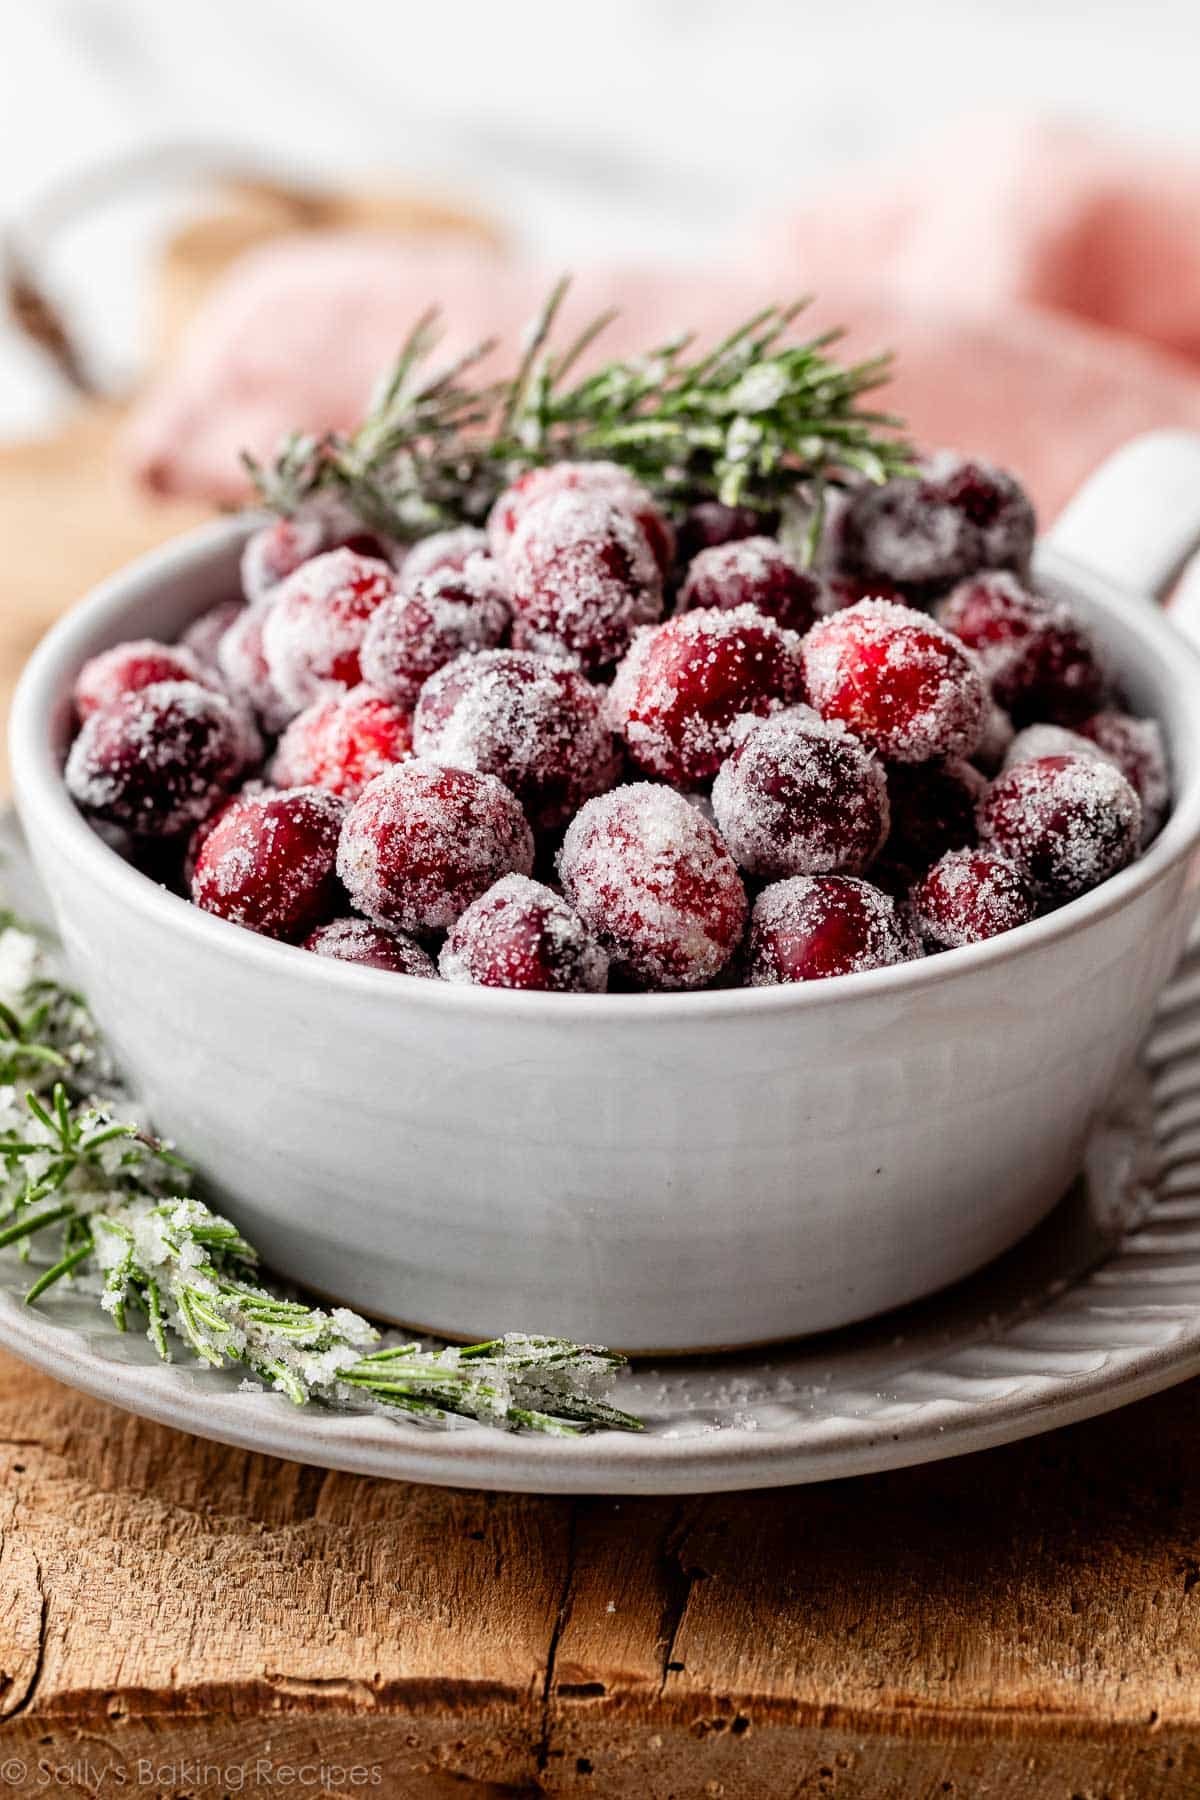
(1067, 822)
(156, 760)
(242, 664)
(203, 636)
(900, 682)
(967, 896)
(710, 523)
(277, 550)
(932, 807)
(652, 880)
(442, 616)
(1137, 748)
(422, 842)
(801, 796)
(814, 926)
(357, 941)
(342, 742)
(605, 478)
(127, 668)
(442, 550)
(684, 683)
(521, 934)
(268, 862)
(929, 530)
(314, 630)
(533, 721)
(581, 578)
(1046, 740)
(754, 571)
(1038, 657)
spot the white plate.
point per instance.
(1098, 1307)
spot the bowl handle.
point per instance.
(1136, 521)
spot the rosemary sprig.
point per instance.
(116, 1204)
(752, 421)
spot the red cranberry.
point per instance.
(355, 941)
(801, 796)
(754, 571)
(277, 550)
(813, 926)
(900, 682)
(652, 880)
(684, 683)
(203, 636)
(838, 591)
(929, 530)
(1038, 657)
(581, 578)
(710, 523)
(442, 551)
(156, 760)
(243, 667)
(967, 896)
(1067, 822)
(342, 742)
(932, 808)
(521, 934)
(1137, 748)
(440, 617)
(314, 630)
(268, 862)
(533, 721)
(422, 842)
(1046, 740)
(127, 668)
(609, 479)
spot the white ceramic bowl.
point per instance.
(667, 1172)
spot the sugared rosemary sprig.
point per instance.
(116, 1204)
(750, 421)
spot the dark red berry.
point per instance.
(814, 926)
(932, 808)
(581, 578)
(710, 523)
(444, 615)
(342, 742)
(967, 896)
(927, 531)
(127, 668)
(1036, 654)
(754, 571)
(156, 760)
(1137, 748)
(356, 941)
(608, 479)
(1067, 822)
(521, 934)
(268, 863)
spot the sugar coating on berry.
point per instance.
(654, 882)
(521, 934)
(444, 615)
(313, 634)
(607, 478)
(813, 926)
(268, 862)
(931, 529)
(342, 742)
(1047, 740)
(156, 760)
(275, 551)
(897, 679)
(358, 941)
(242, 664)
(450, 550)
(533, 721)
(421, 842)
(203, 636)
(752, 571)
(801, 795)
(968, 896)
(1137, 748)
(581, 578)
(1038, 657)
(677, 695)
(1067, 822)
(128, 667)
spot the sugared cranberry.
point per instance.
(1137, 748)
(813, 926)
(932, 808)
(1038, 657)
(342, 742)
(357, 941)
(442, 616)
(533, 721)
(268, 862)
(653, 881)
(521, 934)
(710, 523)
(681, 687)
(1046, 740)
(609, 479)
(203, 636)
(242, 664)
(929, 530)
(801, 796)
(156, 760)
(313, 633)
(581, 578)
(442, 551)
(754, 571)
(899, 681)
(422, 842)
(127, 668)
(967, 896)
(277, 550)
(1067, 822)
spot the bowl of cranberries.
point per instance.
(596, 922)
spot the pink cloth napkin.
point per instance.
(1040, 284)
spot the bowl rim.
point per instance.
(46, 807)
